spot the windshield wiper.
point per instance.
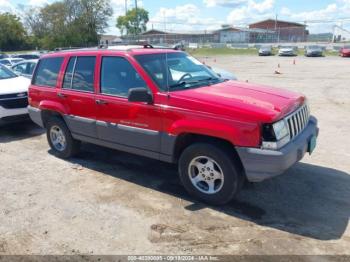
(183, 83)
(209, 79)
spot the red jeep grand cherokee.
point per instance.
(166, 105)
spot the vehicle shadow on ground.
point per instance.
(308, 200)
(19, 131)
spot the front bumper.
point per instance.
(286, 54)
(265, 53)
(314, 54)
(261, 164)
(12, 115)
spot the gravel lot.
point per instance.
(109, 202)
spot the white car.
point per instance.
(13, 96)
(222, 73)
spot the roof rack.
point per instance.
(118, 47)
(125, 47)
(57, 49)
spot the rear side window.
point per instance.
(47, 72)
(67, 81)
(118, 76)
(80, 74)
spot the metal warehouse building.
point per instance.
(229, 34)
(161, 37)
(285, 31)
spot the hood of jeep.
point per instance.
(240, 100)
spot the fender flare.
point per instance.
(52, 106)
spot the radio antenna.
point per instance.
(166, 59)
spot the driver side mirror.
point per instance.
(140, 94)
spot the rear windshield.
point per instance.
(47, 71)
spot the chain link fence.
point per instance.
(272, 32)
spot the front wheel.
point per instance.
(210, 173)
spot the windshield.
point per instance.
(6, 73)
(314, 47)
(265, 48)
(177, 71)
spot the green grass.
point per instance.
(223, 51)
(19, 52)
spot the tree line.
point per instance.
(65, 23)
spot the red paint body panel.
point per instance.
(345, 52)
(230, 110)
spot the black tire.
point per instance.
(72, 146)
(233, 178)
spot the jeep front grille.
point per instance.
(298, 120)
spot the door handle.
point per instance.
(61, 95)
(101, 102)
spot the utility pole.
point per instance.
(137, 18)
(126, 6)
(276, 29)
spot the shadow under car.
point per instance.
(308, 200)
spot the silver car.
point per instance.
(313, 50)
(265, 50)
(288, 51)
(25, 68)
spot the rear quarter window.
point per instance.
(47, 71)
(79, 73)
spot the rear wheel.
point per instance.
(60, 138)
(210, 173)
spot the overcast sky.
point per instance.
(211, 14)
